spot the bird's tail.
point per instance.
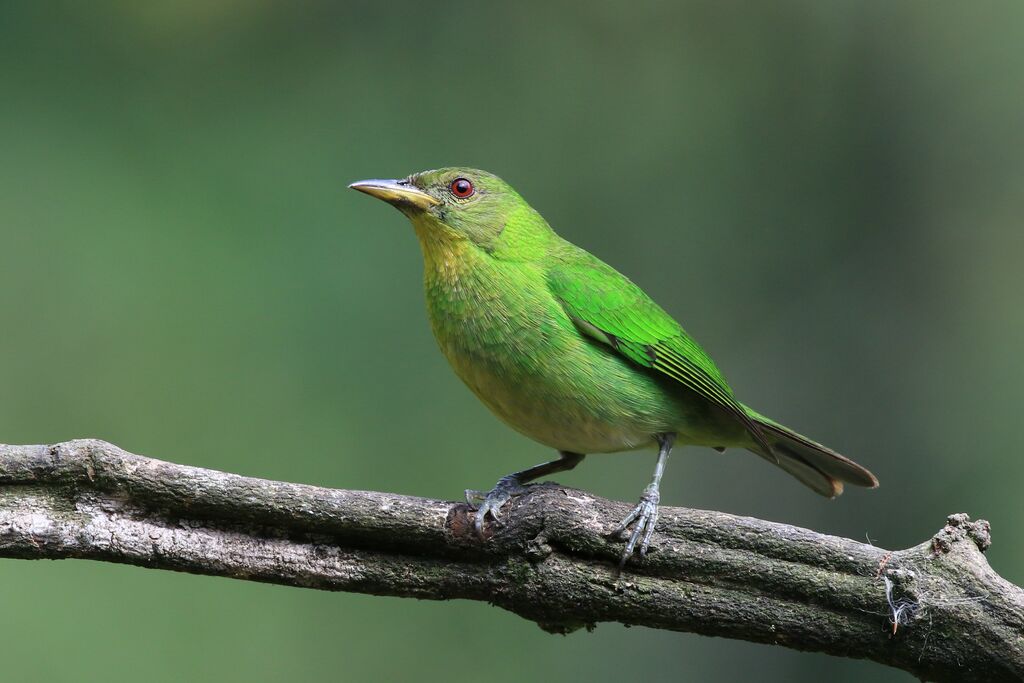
(818, 467)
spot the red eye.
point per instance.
(461, 188)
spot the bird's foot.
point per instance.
(492, 501)
(644, 517)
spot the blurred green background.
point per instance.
(826, 194)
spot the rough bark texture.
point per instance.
(936, 610)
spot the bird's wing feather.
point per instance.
(608, 307)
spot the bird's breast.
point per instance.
(491, 318)
(512, 344)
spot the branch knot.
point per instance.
(959, 527)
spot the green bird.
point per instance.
(568, 351)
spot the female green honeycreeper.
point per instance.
(569, 352)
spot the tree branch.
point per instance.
(936, 610)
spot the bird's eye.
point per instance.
(461, 188)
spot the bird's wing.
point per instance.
(608, 307)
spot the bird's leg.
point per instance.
(515, 485)
(645, 514)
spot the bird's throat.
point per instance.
(447, 256)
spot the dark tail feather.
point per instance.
(820, 468)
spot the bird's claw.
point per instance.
(645, 517)
(492, 502)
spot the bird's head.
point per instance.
(449, 206)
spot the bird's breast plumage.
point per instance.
(508, 338)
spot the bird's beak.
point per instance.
(397, 192)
